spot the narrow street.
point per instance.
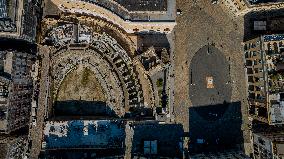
(36, 131)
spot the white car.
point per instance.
(43, 144)
(179, 12)
(214, 1)
(34, 121)
(34, 104)
(33, 112)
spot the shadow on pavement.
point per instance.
(215, 127)
(168, 137)
(274, 20)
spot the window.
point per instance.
(262, 142)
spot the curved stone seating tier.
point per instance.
(121, 70)
(63, 35)
(113, 44)
(88, 28)
(115, 87)
(70, 66)
(104, 56)
(95, 63)
(119, 58)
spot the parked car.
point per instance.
(34, 104)
(179, 12)
(43, 144)
(34, 121)
(214, 1)
(33, 112)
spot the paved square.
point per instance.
(209, 63)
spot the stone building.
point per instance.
(268, 145)
(231, 154)
(242, 7)
(12, 146)
(263, 58)
(18, 19)
(15, 90)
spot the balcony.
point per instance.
(249, 63)
(250, 71)
(3, 100)
(3, 96)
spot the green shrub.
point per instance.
(160, 82)
(85, 77)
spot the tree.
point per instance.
(159, 82)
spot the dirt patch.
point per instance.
(81, 84)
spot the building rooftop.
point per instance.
(138, 10)
(144, 5)
(3, 11)
(277, 111)
(274, 60)
(4, 80)
(276, 37)
(230, 154)
(166, 138)
(8, 13)
(3, 149)
(276, 138)
(263, 1)
(273, 136)
(82, 134)
(280, 149)
(4, 83)
(12, 146)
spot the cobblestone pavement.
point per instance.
(36, 131)
(201, 23)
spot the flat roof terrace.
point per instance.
(132, 22)
(11, 12)
(7, 15)
(139, 10)
(144, 5)
(263, 1)
(3, 12)
(84, 134)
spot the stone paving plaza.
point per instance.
(202, 23)
(220, 129)
(209, 62)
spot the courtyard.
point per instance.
(209, 63)
(203, 24)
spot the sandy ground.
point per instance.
(81, 84)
